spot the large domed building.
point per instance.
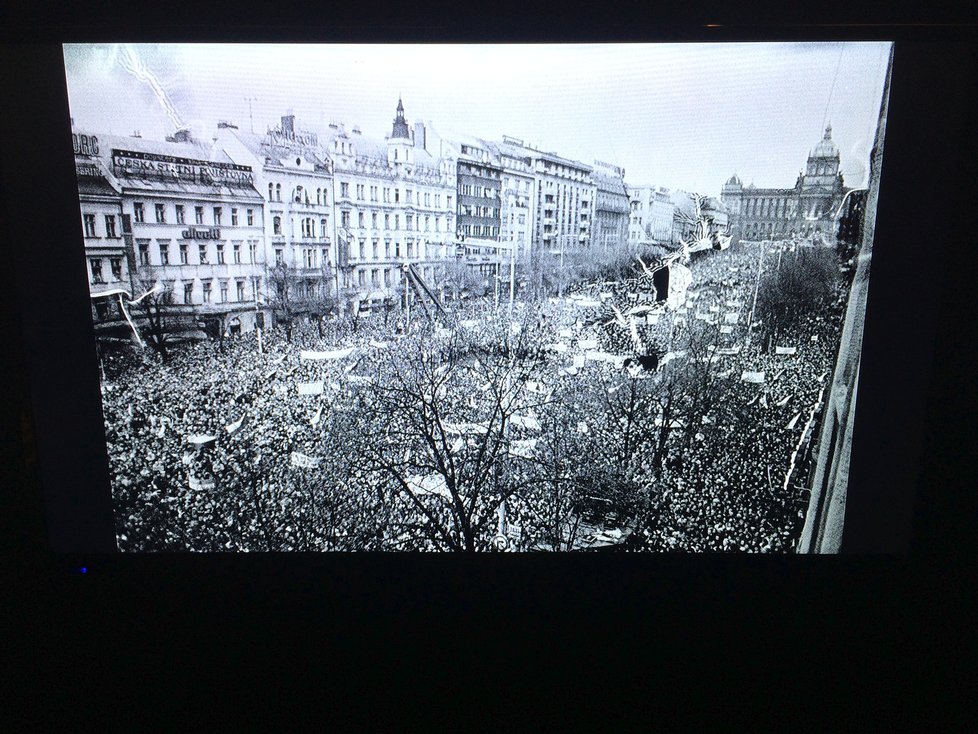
(803, 210)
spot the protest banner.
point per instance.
(785, 350)
(302, 461)
(334, 354)
(311, 388)
(755, 377)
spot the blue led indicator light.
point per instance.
(84, 569)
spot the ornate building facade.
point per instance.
(806, 209)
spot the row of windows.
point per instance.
(479, 211)
(299, 195)
(217, 214)
(767, 207)
(203, 253)
(392, 195)
(408, 250)
(92, 231)
(483, 192)
(309, 260)
(475, 230)
(423, 224)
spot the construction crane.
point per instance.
(414, 280)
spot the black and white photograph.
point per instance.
(478, 298)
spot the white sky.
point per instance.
(679, 115)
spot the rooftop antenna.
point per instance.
(251, 117)
(832, 88)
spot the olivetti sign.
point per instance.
(213, 233)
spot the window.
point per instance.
(253, 251)
(110, 225)
(271, 192)
(144, 254)
(164, 254)
(410, 250)
(96, 265)
(375, 278)
(375, 247)
(438, 200)
(202, 252)
(188, 292)
(363, 250)
(137, 210)
(240, 290)
(309, 258)
(237, 253)
(409, 222)
(345, 190)
(251, 218)
(277, 225)
(387, 195)
(397, 221)
(278, 192)
(180, 214)
(199, 214)
(234, 217)
(373, 193)
(397, 249)
(217, 216)
(324, 257)
(361, 219)
(279, 256)
(224, 291)
(362, 277)
(387, 250)
(427, 199)
(448, 202)
(207, 291)
(397, 196)
(220, 253)
(387, 221)
(161, 213)
(345, 219)
(373, 220)
(184, 258)
(408, 196)
(360, 189)
(116, 264)
(90, 225)
(387, 277)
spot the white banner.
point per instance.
(557, 347)
(587, 343)
(785, 350)
(732, 317)
(304, 462)
(201, 439)
(726, 330)
(525, 421)
(465, 429)
(335, 354)
(233, 428)
(756, 377)
(523, 449)
(311, 388)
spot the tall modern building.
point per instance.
(803, 210)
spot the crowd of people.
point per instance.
(520, 422)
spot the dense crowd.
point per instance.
(411, 435)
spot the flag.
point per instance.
(311, 388)
(315, 419)
(278, 360)
(233, 428)
(335, 354)
(794, 421)
(201, 440)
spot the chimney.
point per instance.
(288, 125)
(356, 129)
(225, 125)
(180, 136)
(419, 136)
